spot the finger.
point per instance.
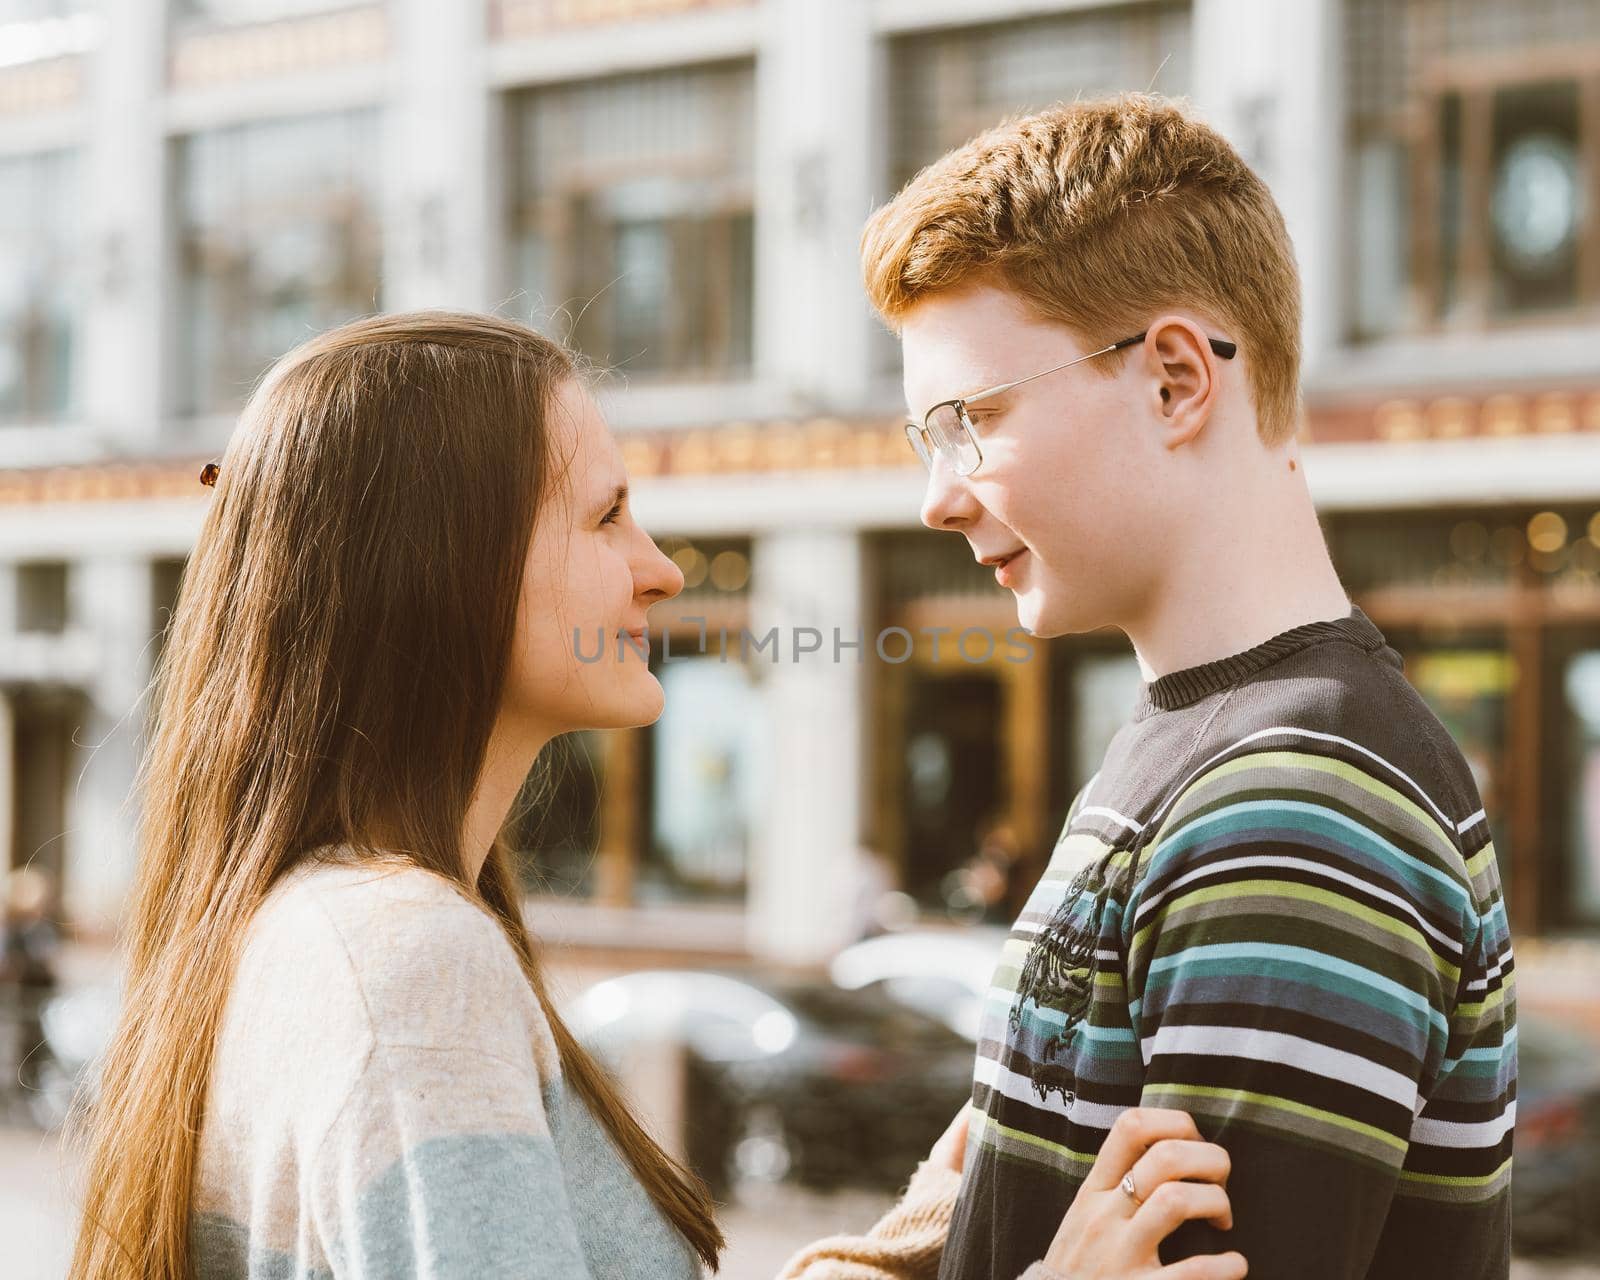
(1174, 1160)
(958, 1135)
(951, 1148)
(1174, 1203)
(1135, 1132)
(1216, 1266)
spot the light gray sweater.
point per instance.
(387, 1101)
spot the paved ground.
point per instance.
(35, 1220)
(762, 1230)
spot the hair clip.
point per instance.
(208, 474)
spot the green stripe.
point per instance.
(1278, 1104)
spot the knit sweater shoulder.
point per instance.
(387, 1100)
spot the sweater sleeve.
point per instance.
(907, 1243)
(1294, 954)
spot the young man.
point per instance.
(1276, 904)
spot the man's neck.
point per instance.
(1229, 599)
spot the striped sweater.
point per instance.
(1277, 907)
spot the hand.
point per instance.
(1107, 1236)
(950, 1151)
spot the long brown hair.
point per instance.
(333, 671)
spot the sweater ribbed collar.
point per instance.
(1183, 688)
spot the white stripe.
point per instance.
(1132, 826)
(1317, 868)
(1471, 822)
(1275, 1048)
(1449, 1133)
(1019, 1088)
(1029, 927)
(1304, 733)
(1482, 983)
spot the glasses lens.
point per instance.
(914, 434)
(952, 439)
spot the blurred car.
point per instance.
(790, 1079)
(1555, 1180)
(76, 1026)
(943, 973)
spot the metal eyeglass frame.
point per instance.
(921, 437)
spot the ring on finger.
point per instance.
(1130, 1188)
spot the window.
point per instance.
(279, 240)
(950, 785)
(706, 755)
(1474, 130)
(42, 596)
(166, 579)
(633, 221)
(39, 285)
(950, 85)
(1574, 894)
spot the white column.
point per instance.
(439, 202)
(111, 600)
(1268, 75)
(818, 148)
(804, 861)
(119, 378)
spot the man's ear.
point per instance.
(1183, 380)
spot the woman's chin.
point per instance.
(640, 701)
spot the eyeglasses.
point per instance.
(947, 430)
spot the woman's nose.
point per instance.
(659, 578)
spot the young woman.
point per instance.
(338, 1056)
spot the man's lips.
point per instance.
(1006, 567)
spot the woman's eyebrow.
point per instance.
(616, 496)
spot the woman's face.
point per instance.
(591, 575)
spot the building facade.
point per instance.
(677, 187)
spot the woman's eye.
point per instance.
(611, 516)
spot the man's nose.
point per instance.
(947, 503)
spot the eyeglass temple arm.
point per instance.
(1224, 349)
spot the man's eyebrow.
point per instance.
(978, 389)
